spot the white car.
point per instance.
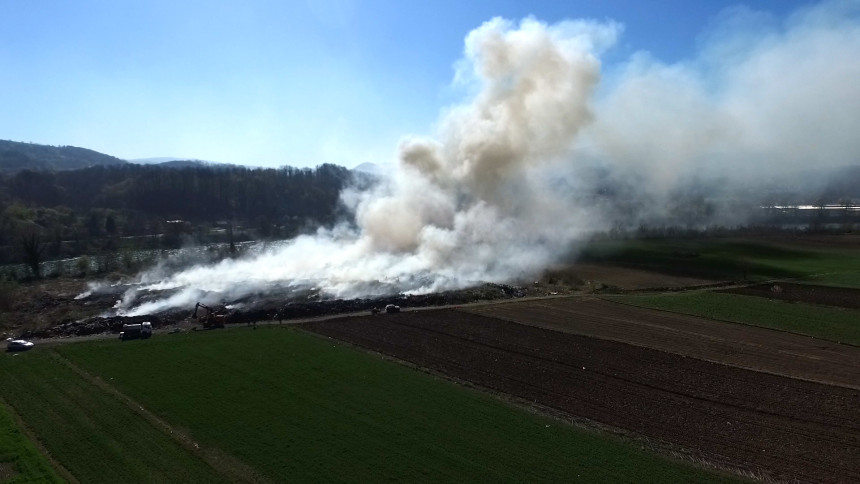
(391, 308)
(18, 345)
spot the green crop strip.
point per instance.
(834, 324)
(95, 436)
(729, 259)
(20, 461)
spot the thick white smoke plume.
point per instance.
(764, 100)
(512, 177)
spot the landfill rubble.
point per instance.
(273, 308)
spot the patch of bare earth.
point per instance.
(808, 293)
(757, 422)
(625, 278)
(47, 302)
(7, 471)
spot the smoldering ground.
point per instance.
(549, 149)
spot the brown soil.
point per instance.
(786, 291)
(8, 471)
(758, 422)
(45, 303)
(624, 278)
(749, 347)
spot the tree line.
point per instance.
(100, 208)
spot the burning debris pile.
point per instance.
(488, 292)
(274, 309)
(96, 325)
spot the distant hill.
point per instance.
(383, 169)
(16, 156)
(172, 162)
(154, 161)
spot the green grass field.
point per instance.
(836, 278)
(835, 324)
(92, 434)
(297, 407)
(20, 461)
(730, 259)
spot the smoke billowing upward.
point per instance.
(510, 180)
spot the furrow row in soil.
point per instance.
(749, 347)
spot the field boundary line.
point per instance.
(228, 466)
(744, 367)
(614, 299)
(610, 299)
(62, 472)
(606, 375)
(654, 446)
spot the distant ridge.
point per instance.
(154, 161)
(174, 161)
(170, 162)
(375, 169)
(16, 156)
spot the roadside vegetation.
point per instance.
(297, 407)
(835, 324)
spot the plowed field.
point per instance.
(782, 427)
(738, 345)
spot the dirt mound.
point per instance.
(269, 309)
(37, 305)
(99, 325)
(486, 292)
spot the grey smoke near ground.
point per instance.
(546, 153)
(764, 104)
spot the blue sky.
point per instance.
(272, 83)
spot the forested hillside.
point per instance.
(15, 156)
(98, 208)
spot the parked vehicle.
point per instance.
(208, 318)
(136, 331)
(391, 308)
(18, 344)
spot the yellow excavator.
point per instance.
(207, 317)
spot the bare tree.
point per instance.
(33, 248)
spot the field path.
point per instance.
(739, 345)
(61, 471)
(232, 469)
(759, 423)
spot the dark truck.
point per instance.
(136, 331)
